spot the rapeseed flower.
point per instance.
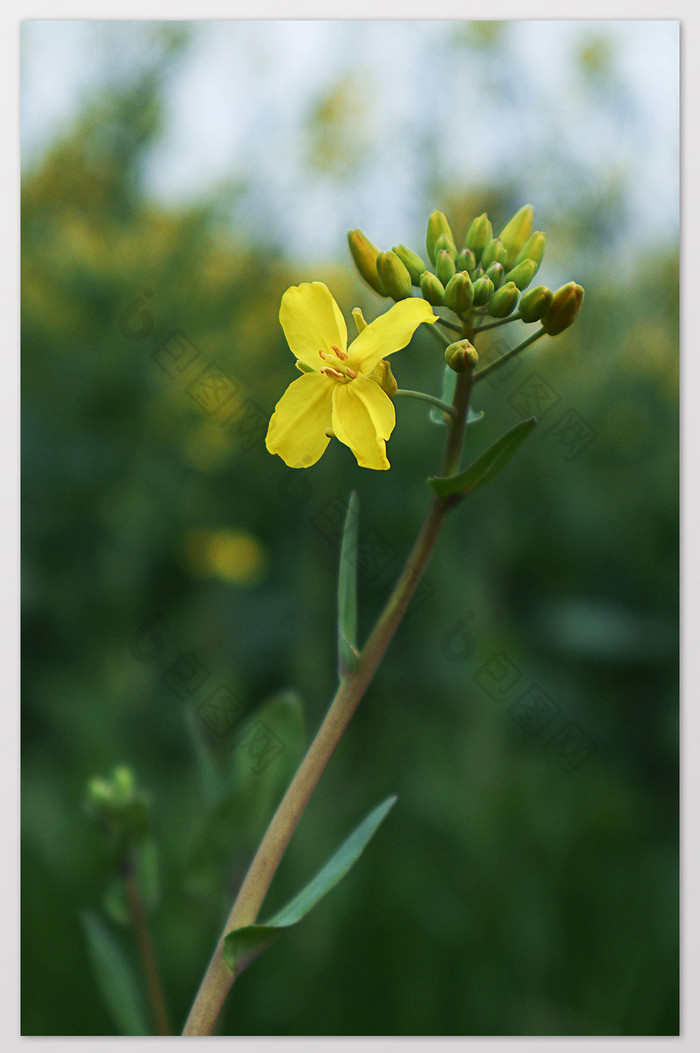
(339, 393)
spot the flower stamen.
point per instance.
(335, 369)
(331, 372)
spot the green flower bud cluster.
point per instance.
(120, 807)
(506, 263)
(487, 273)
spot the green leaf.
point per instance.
(487, 466)
(115, 978)
(211, 776)
(242, 946)
(473, 416)
(115, 901)
(262, 753)
(347, 590)
(267, 746)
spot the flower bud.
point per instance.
(432, 289)
(459, 293)
(496, 273)
(365, 254)
(466, 261)
(535, 303)
(523, 273)
(504, 302)
(120, 806)
(444, 265)
(437, 224)
(461, 356)
(533, 249)
(446, 242)
(483, 291)
(516, 232)
(124, 785)
(359, 318)
(479, 235)
(394, 276)
(99, 795)
(411, 261)
(566, 304)
(385, 378)
(494, 252)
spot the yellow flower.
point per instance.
(337, 393)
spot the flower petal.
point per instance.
(388, 333)
(312, 322)
(297, 430)
(363, 418)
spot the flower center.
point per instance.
(336, 367)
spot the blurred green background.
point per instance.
(527, 713)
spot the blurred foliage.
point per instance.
(168, 556)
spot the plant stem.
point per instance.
(421, 395)
(485, 370)
(218, 978)
(148, 958)
(493, 325)
(450, 325)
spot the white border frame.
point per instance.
(13, 13)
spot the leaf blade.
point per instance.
(485, 467)
(242, 946)
(210, 775)
(115, 978)
(262, 752)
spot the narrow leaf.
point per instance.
(115, 978)
(347, 590)
(267, 746)
(261, 753)
(242, 946)
(211, 777)
(115, 901)
(485, 467)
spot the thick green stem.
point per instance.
(218, 978)
(455, 438)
